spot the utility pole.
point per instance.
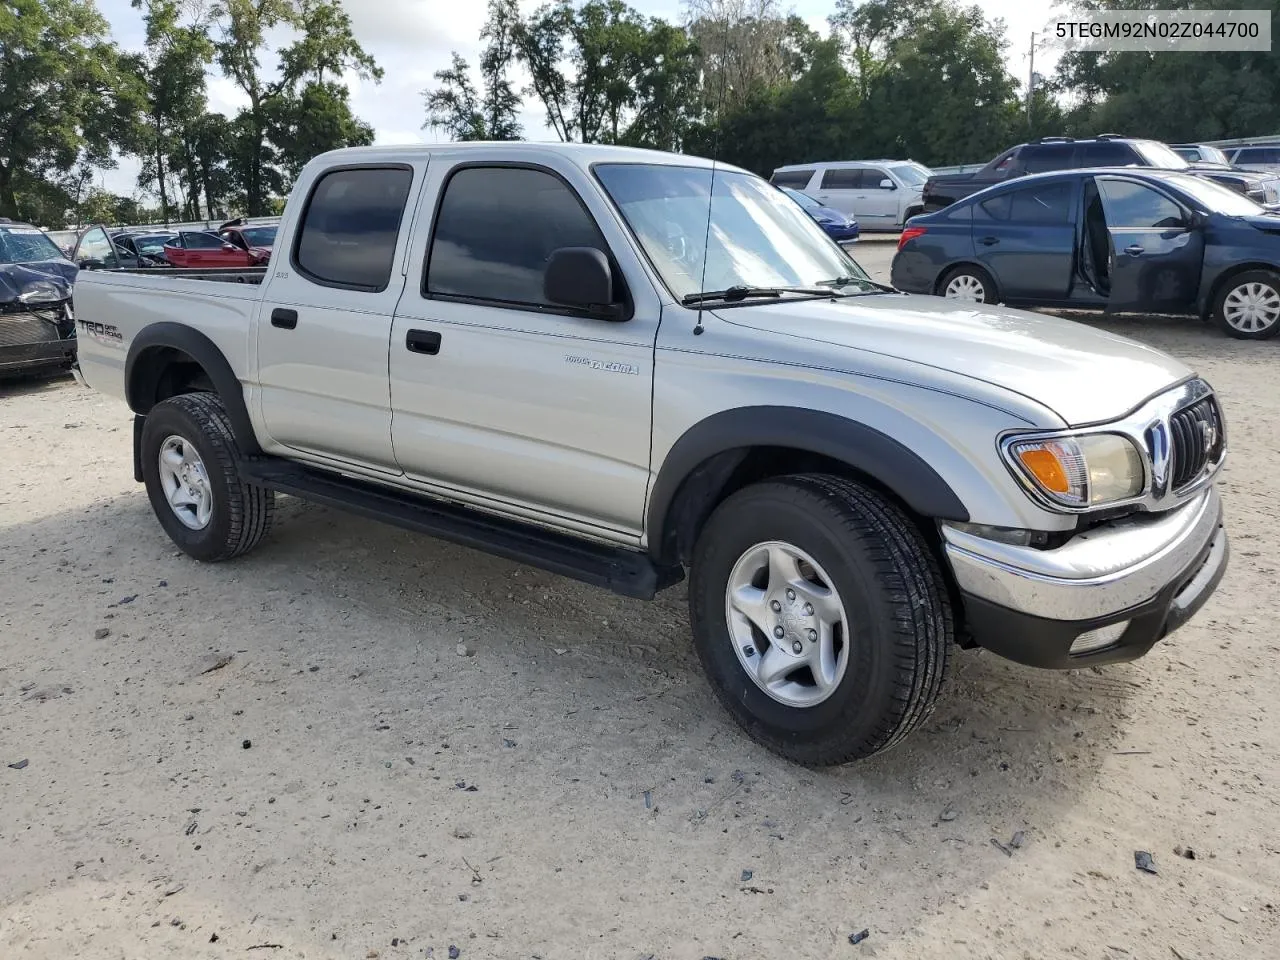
(1031, 79)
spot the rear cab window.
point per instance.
(350, 225)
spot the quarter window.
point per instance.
(797, 179)
(350, 226)
(497, 228)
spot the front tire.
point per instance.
(820, 617)
(190, 465)
(968, 283)
(1248, 305)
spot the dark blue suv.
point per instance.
(1122, 239)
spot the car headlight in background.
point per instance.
(42, 291)
(1085, 471)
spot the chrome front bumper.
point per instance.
(1149, 572)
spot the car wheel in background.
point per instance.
(1248, 305)
(968, 283)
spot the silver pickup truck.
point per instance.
(622, 366)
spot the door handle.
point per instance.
(422, 341)
(284, 318)
(989, 241)
(1133, 250)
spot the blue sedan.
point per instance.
(839, 228)
(1129, 239)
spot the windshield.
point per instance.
(26, 245)
(912, 174)
(756, 237)
(152, 245)
(803, 199)
(259, 236)
(1215, 197)
(1212, 154)
(1159, 155)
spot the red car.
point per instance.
(257, 239)
(202, 249)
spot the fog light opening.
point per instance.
(1092, 641)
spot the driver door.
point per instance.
(1156, 250)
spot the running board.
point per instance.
(626, 572)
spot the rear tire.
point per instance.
(1248, 305)
(896, 629)
(968, 283)
(190, 465)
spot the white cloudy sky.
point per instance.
(412, 39)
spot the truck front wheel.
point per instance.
(190, 464)
(820, 616)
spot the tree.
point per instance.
(745, 48)
(325, 48)
(59, 76)
(454, 106)
(312, 121)
(606, 74)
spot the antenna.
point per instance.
(715, 158)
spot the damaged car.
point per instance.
(37, 327)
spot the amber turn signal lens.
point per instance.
(1045, 466)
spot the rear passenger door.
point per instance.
(1026, 239)
(325, 319)
(506, 400)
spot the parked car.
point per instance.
(1200, 153)
(256, 239)
(581, 357)
(879, 194)
(838, 227)
(37, 326)
(1105, 150)
(101, 249)
(1263, 157)
(1124, 239)
(199, 248)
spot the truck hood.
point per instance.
(1082, 374)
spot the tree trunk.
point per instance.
(8, 201)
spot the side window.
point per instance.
(843, 178)
(1260, 155)
(1042, 157)
(1001, 165)
(496, 229)
(796, 179)
(201, 241)
(993, 208)
(871, 179)
(1130, 204)
(1106, 153)
(232, 236)
(350, 226)
(94, 245)
(1043, 203)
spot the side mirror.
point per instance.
(887, 184)
(228, 246)
(581, 277)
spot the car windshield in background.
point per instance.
(756, 237)
(911, 174)
(1159, 155)
(1217, 198)
(152, 245)
(803, 199)
(259, 236)
(26, 245)
(1213, 155)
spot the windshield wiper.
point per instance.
(740, 293)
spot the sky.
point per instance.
(412, 39)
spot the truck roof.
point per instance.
(582, 154)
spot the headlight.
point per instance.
(42, 291)
(1084, 471)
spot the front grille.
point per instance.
(26, 329)
(1196, 438)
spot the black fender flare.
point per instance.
(708, 452)
(203, 351)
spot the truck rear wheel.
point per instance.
(190, 464)
(820, 616)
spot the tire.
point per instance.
(899, 637)
(239, 514)
(969, 275)
(1262, 287)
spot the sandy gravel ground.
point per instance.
(288, 756)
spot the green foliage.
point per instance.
(454, 106)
